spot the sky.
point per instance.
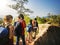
(40, 8)
(43, 7)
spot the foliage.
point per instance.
(27, 18)
(51, 19)
(40, 20)
(19, 6)
(55, 19)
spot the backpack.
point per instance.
(18, 28)
(29, 28)
(3, 35)
(3, 32)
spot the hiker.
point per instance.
(19, 29)
(35, 27)
(29, 30)
(8, 23)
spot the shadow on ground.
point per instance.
(51, 37)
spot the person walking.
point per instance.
(19, 29)
(29, 30)
(35, 27)
(8, 24)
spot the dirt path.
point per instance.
(42, 29)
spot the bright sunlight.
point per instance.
(3, 3)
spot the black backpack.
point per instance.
(18, 28)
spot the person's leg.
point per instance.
(37, 31)
(34, 34)
(30, 37)
(17, 40)
(23, 39)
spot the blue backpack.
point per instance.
(29, 28)
(3, 32)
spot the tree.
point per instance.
(27, 19)
(39, 19)
(19, 6)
